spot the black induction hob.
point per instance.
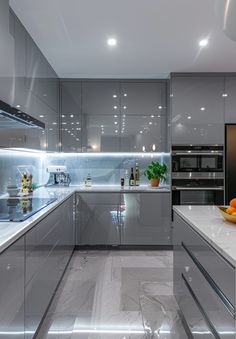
(19, 209)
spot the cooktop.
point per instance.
(19, 209)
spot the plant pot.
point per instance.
(155, 182)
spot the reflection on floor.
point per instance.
(115, 295)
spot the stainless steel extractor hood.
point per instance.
(11, 117)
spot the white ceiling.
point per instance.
(155, 37)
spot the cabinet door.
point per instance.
(20, 65)
(143, 116)
(141, 133)
(12, 291)
(145, 218)
(71, 119)
(7, 56)
(48, 248)
(99, 219)
(143, 98)
(197, 110)
(100, 133)
(100, 97)
(230, 100)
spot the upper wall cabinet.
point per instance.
(230, 99)
(197, 107)
(71, 118)
(7, 55)
(128, 116)
(100, 97)
(143, 98)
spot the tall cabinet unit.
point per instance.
(230, 99)
(115, 116)
(197, 106)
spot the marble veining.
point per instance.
(209, 223)
(104, 294)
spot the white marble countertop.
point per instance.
(11, 231)
(209, 223)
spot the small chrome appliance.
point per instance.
(58, 176)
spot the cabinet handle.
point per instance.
(202, 311)
(228, 305)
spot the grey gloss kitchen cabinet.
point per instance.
(7, 55)
(230, 99)
(48, 248)
(124, 219)
(71, 116)
(204, 284)
(12, 291)
(197, 109)
(145, 219)
(101, 116)
(98, 219)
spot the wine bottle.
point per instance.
(137, 175)
(131, 179)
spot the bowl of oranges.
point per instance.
(229, 213)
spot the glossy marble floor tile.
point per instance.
(115, 295)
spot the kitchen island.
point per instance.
(204, 271)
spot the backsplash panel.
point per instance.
(104, 168)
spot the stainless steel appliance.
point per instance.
(19, 209)
(197, 175)
(58, 176)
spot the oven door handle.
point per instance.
(179, 188)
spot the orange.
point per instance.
(230, 210)
(233, 203)
(234, 213)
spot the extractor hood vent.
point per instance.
(11, 117)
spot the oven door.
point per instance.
(201, 197)
(211, 163)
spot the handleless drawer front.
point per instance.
(217, 268)
(193, 314)
(100, 198)
(218, 311)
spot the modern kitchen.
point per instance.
(117, 169)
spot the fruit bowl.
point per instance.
(227, 216)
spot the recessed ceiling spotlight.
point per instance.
(141, 132)
(112, 42)
(114, 96)
(41, 116)
(224, 95)
(124, 107)
(125, 94)
(160, 107)
(203, 42)
(72, 115)
(115, 122)
(17, 106)
(202, 108)
(189, 117)
(116, 131)
(115, 116)
(150, 122)
(115, 107)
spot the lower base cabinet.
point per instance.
(12, 291)
(124, 219)
(48, 248)
(204, 285)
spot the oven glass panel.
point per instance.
(211, 163)
(188, 163)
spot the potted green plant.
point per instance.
(155, 173)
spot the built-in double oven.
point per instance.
(197, 175)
